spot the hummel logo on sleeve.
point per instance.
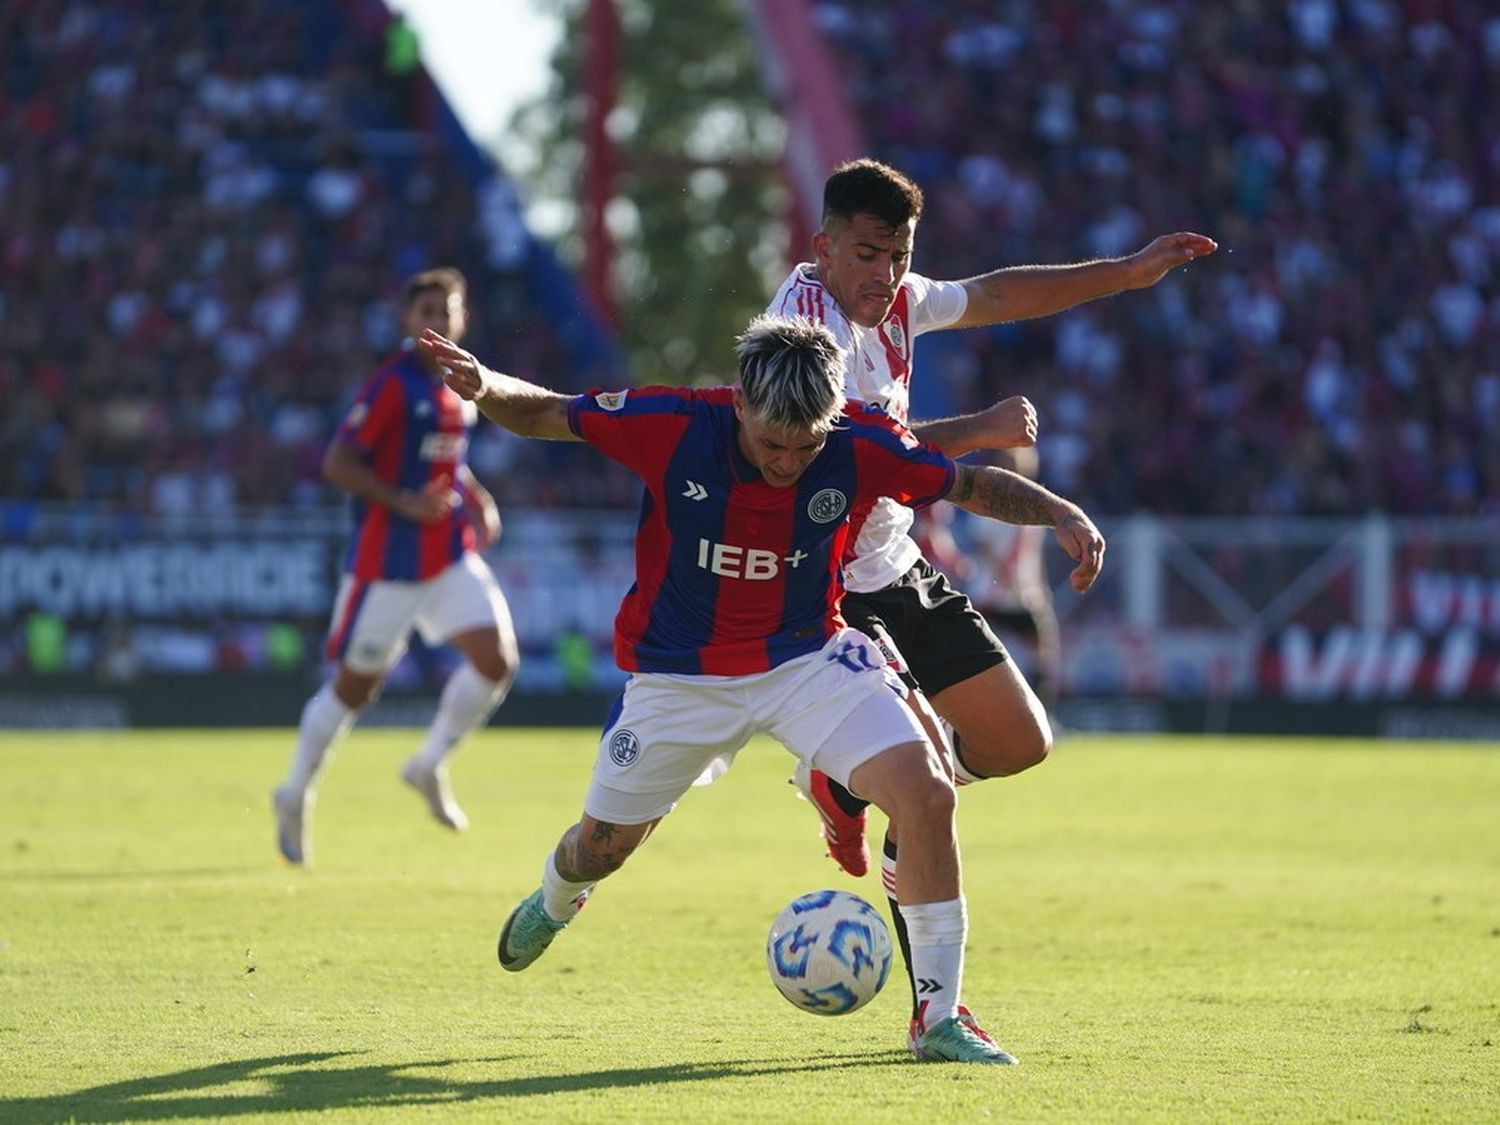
(695, 491)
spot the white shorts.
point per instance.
(373, 620)
(834, 709)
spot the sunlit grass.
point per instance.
(1161, 929)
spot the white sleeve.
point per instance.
(933, 304)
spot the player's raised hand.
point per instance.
(1010, 423)
(461, 370)
(1081, 539)
(1153, 261)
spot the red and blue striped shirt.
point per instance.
(412, 429)
(734, 576)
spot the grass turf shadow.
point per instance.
(298, 1083)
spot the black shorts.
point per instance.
(1020, 621)
(942, 636)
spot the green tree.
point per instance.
(696, 214)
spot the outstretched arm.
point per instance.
(1023, 292)
(521, 407)
(1003, 495)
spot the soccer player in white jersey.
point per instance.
(860, 285)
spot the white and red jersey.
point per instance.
(879, 373)
(1006, 569)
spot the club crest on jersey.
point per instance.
(827, 505)
(624, 748)
(895, 334)
(611, 400)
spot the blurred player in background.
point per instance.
(732, 626)
(861, 286)
(1007, 575)
(421, 518)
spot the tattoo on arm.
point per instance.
(1003, 495)
(963, 484)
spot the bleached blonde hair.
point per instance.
(791, 373)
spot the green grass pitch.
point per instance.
(1161, 929)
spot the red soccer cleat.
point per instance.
(844, 834)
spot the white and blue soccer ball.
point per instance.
(829, 952)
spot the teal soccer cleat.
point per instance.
(528, 932)
(958, 1039)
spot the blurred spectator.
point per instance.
(1342, 353)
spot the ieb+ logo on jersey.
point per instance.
(753, 563)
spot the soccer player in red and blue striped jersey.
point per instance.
(738, 566)
(733, 625)
(410, 431)
(420, 519)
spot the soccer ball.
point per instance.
(829, 952)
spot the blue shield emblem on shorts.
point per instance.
(624, 748)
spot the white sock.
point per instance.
(937, 931)
(468, 700)
(560, 898)
(325, 720)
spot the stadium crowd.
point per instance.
(204, 215)
(1341, 353)
(206, 210)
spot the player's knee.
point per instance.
(1003, 753)
(927, 798)
(497, 664)
(1033, 745)
(355, 690)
